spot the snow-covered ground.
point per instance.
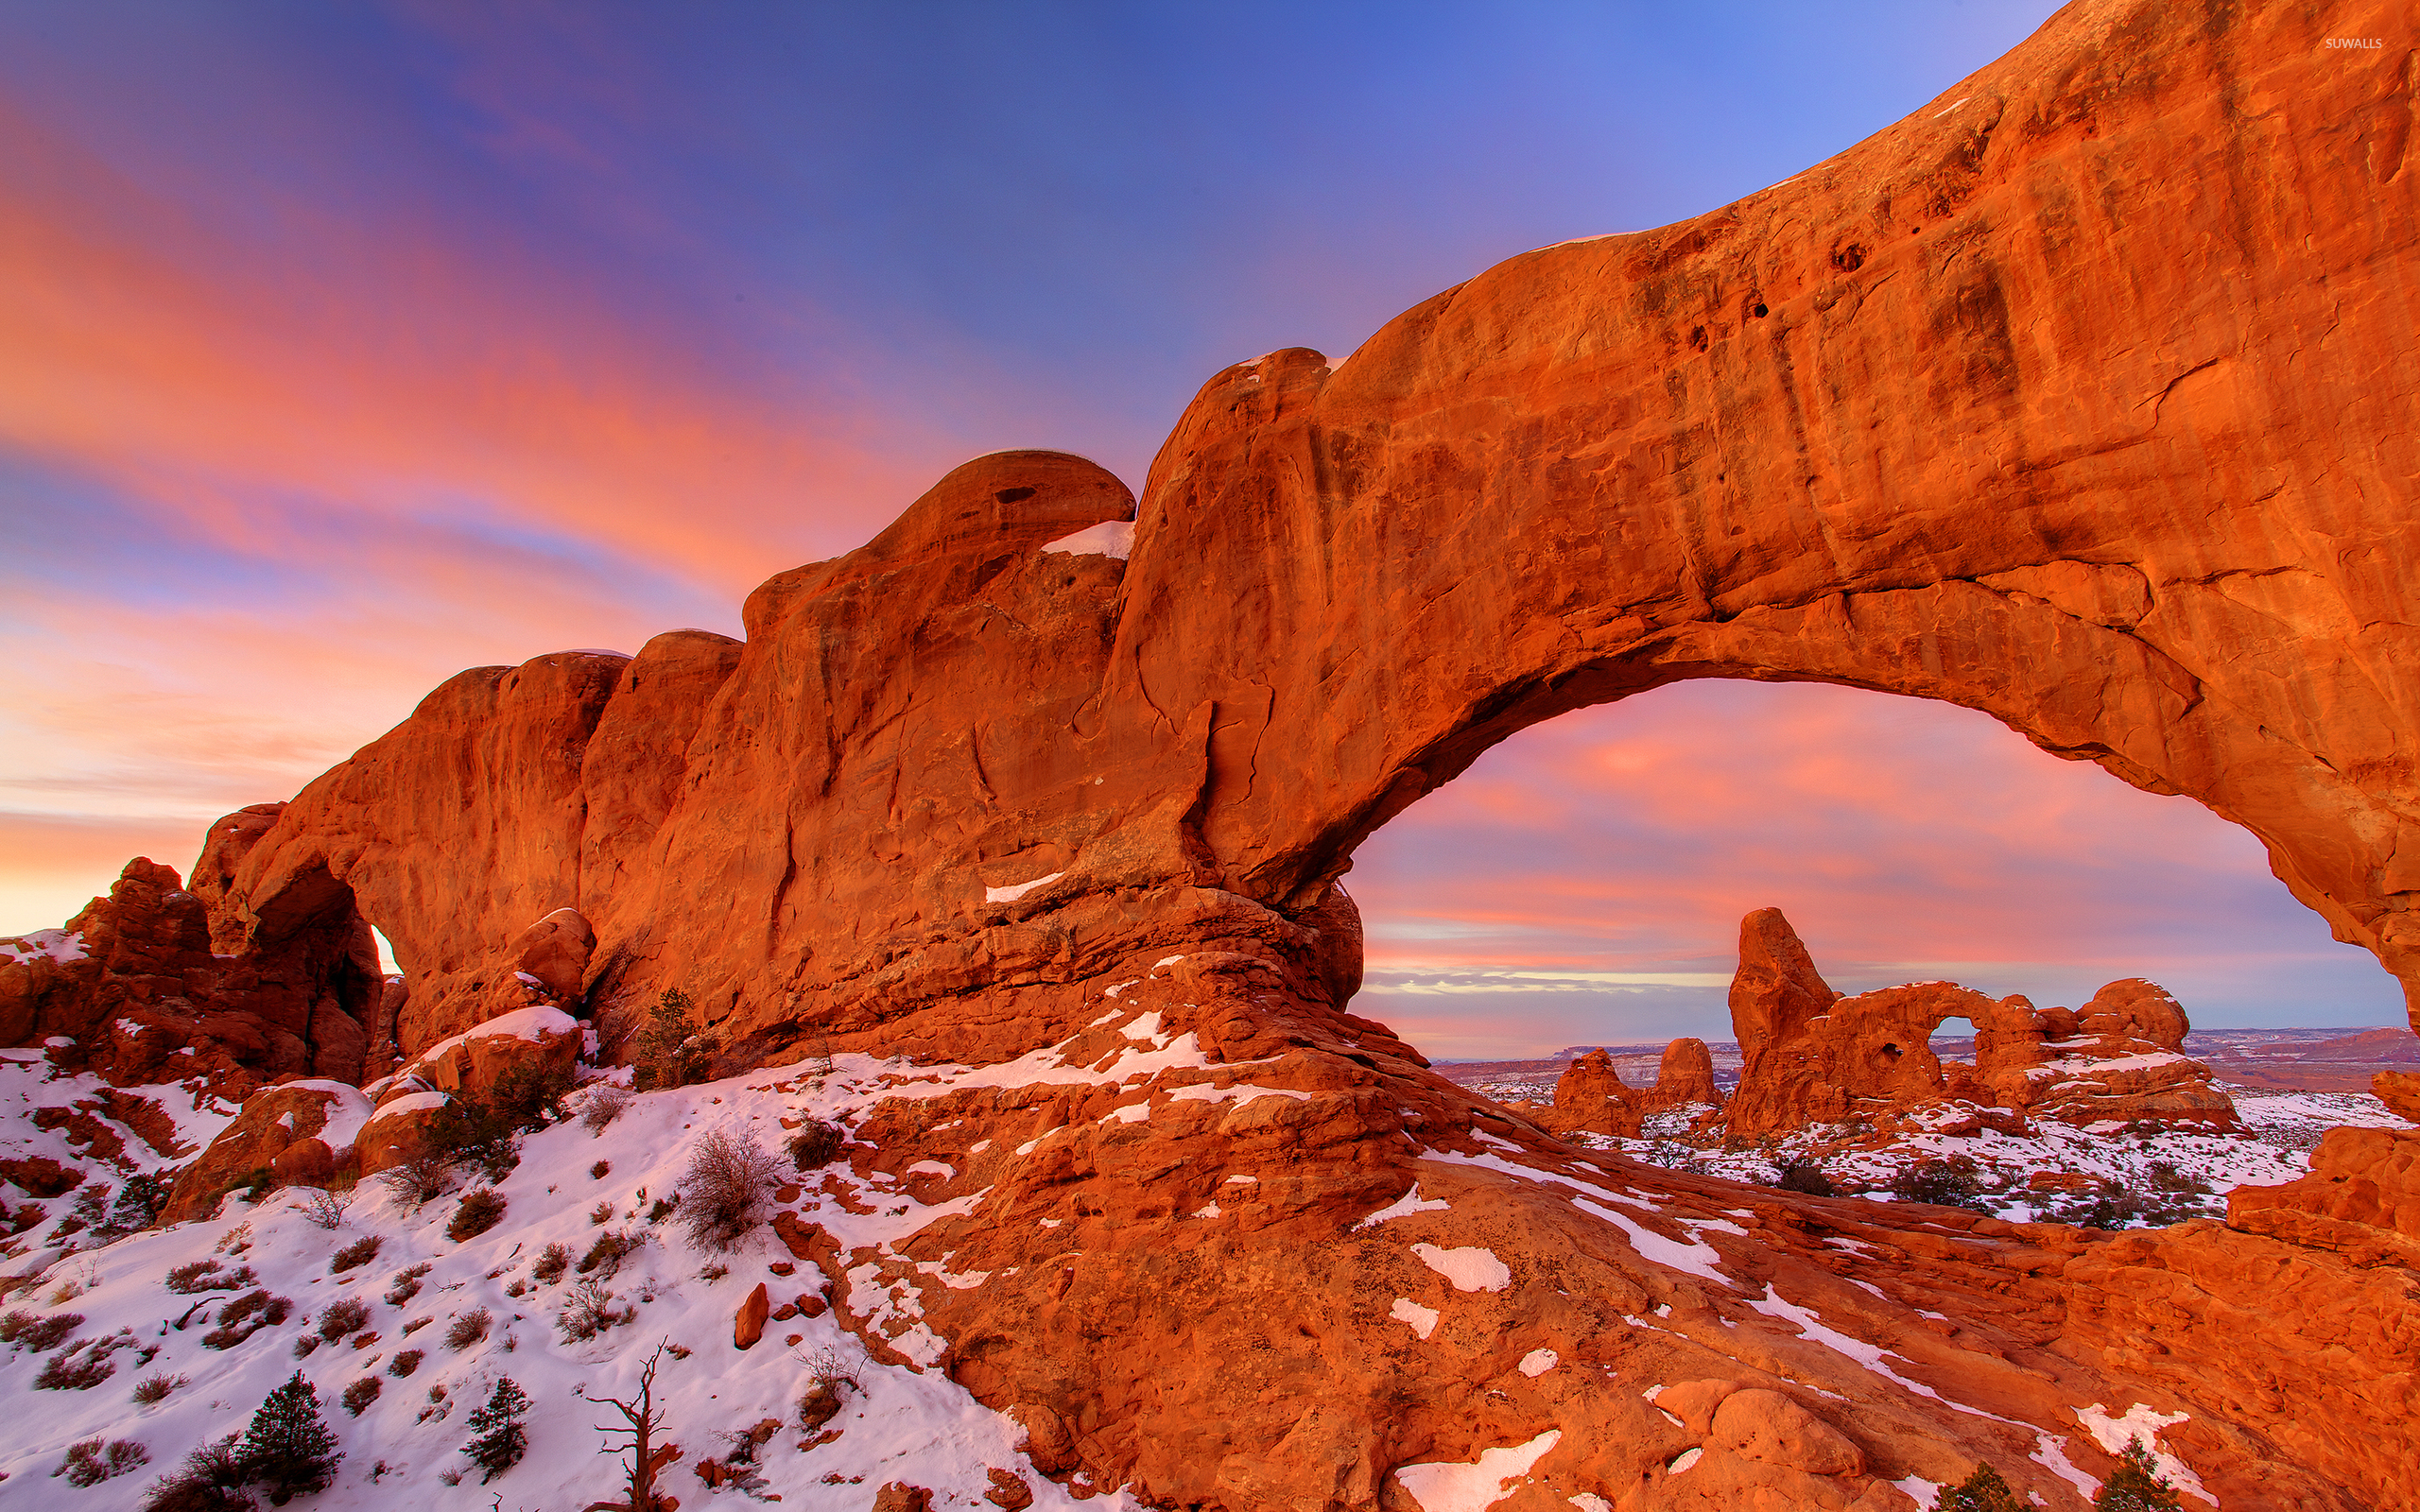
(2178, 1174)
(903, 1424)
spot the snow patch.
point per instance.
(1538, 1362)
(2114, 1433)
(1111, 538)
(1010, 894)
(1403, 1206)
(1473, 1487)
(1471, 1268)
(1422, 1319)
(50, 944)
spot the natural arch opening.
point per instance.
(1583, 882)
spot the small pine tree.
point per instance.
(287, 1448)
(500, 1439)
(670, 1051)
(1983, 1491)
(2137, 1486)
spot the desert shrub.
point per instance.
(601, 1105)
(1983, 1491)
(530, 1096)
(326, 1206)
(306, 1345)
(601, 1213)
(154, 1389)
(360, 1252)
(1808, 1177)
(590, 1311)
(826, 1380)
(604, 1258)
(665, 1208)
(723, 1194)
(600, 1170)
(358, 1396)
(91, 1206)
(245, 1316)
(476, 1133)
(2135, 1484)
(498, 1439)
(346, 1314)
(210, 1480)
(38, 1334)
(406, 1361)
(1949, 1183)
(406, 1284)
(287, 1447)
(82, 1368)
(468, 1330)
(477, 1212)
(670, 1051)
(421, 1177)
(199, 1276)
(552, 1263)
(815, 1145)
(90, 1464)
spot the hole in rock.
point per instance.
(1013, 495)
(1582, 884)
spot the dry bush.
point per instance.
(205, 1275)
(723, 1195)
(603, 1104)
(468, 1330)
(38, 1334)
(477, 1212)
(552, 1263)
(605, 1257)
(590, 1311)
(325, 1208)
(156, 1388)
(212, 1480)
(406, 1361)
(358, 1396)
(601, 1213)
(360, 1252)
(406, 1284)
(342, 1316)
(600, 1170)
(826, 1379)
(83, 1367)
(90, 1464)
(817, 1145)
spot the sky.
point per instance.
(346, 345)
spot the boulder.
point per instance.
(1768, 1427)
(302, 1132)
(747, 1324)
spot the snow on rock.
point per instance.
(1457, 1487)
(536, 1024)
(1925, 1494)
(1471, 1268)
(1403, 1206)
(1010, 894)
(2114, 1433)
(1111, 538)
(1538, 1362)
(50, 944)
(1697, 1259)
(1422, 1319)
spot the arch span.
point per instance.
(1992, 407)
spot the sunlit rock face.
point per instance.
(2080, 397)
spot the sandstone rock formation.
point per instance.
(133, 981)
(300, 1133)
(1813, 1055)
(1592, 1095)
(2080, 397)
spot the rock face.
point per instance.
(300, 1133)
(2080, 397)
(133, 980)
(1812, 1056)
